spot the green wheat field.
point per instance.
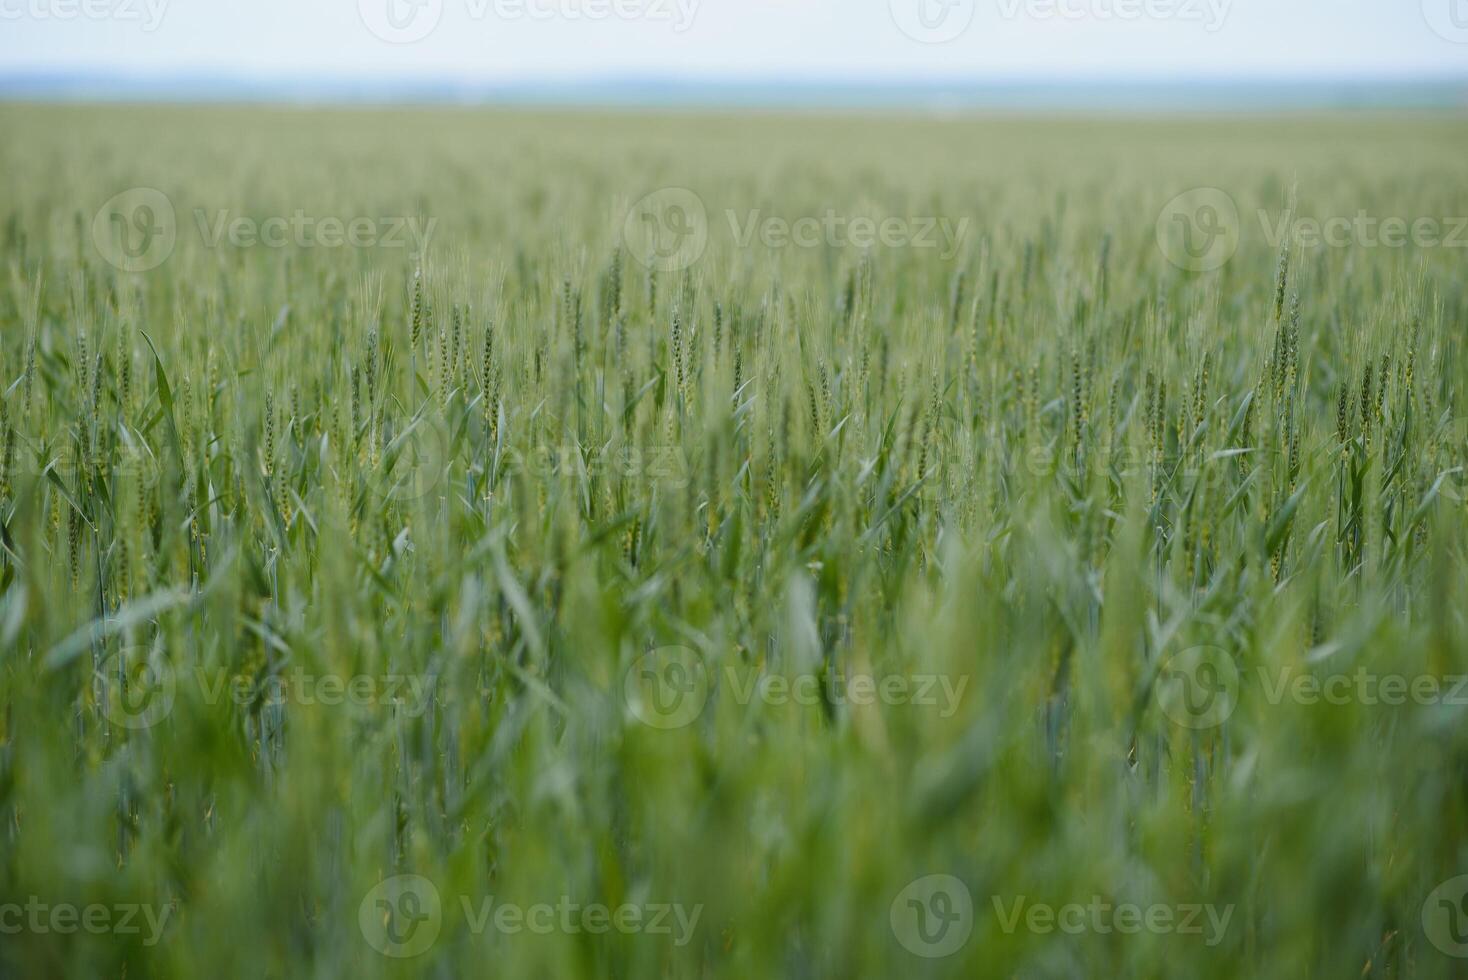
(455, 543)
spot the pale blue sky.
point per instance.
(499, 40)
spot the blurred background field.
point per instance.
(553, 477)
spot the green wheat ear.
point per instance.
(418, 311)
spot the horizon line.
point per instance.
(647, 90)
